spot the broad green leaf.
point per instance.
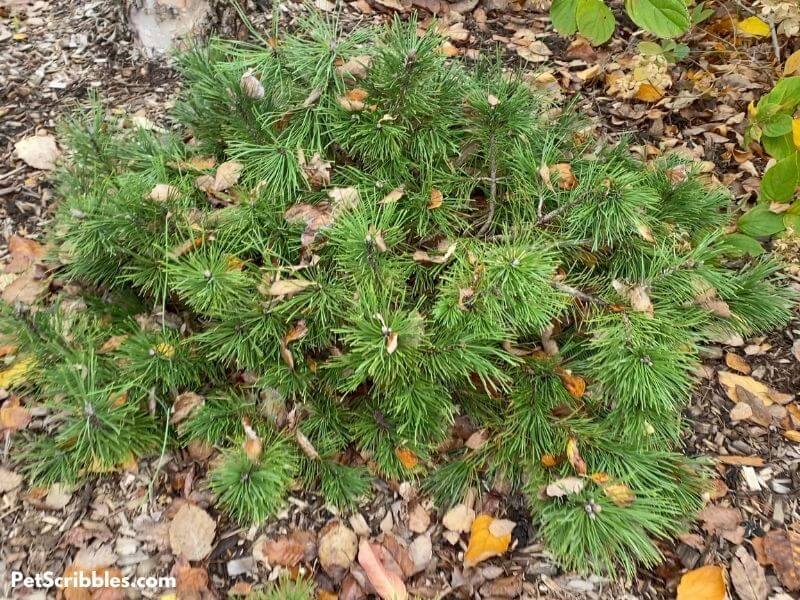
(562, 15)
(650, 49)
(784, 97)
(595, 21)
(700, 13)
(738, 244)
(777, 125)
(792, 222)
(664, 18)
(781, 180)
(779, 147)
(760, 222)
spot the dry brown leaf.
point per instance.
(74, 572)
(316, 171)
(316, 218)
(393, 196)
(305, 445)
(747, 576)
(337, 548)
(356, 67)
(24, 252)
(252, 444)
(566, 178)
(741, 412)
(782, 549)
(575, 385)
(287, 550)
(750, 461)
(760, 414)
(184, 405)
(14, 416)
(737, 363)
(391, 342)
(732, 381)
(191, 533)
(712, 303)
(387, 584)
(423, 257)
(723, 521)
(792, 435)
(251, 86)
(637, 295)
(482, 543)
(705, 583)
(9, 480)
(619, 493)
(25, 289)
(227, 175)
(190, 582)
(436, 199)
(195, 163)
(38, 151)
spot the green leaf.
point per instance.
(779, 147)
(700, 13)
(664, 18)
(777, 125)
(562, 15)
(784, 97)
(595, 21)
(781, 180)
(738, 244)
(650, 49)
(792, 222)
(760, 222)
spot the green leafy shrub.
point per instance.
(349, 241)
(595, 21)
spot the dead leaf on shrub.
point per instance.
(565, 487)
(574, 457)
(227, 175)
(705, 583)
(185, 404)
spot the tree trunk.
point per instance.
(159, 26)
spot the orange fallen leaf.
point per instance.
(566, 178)
(388, 584)
(436, 199)
(619, 493)
(406, 457)
(705, 583)
(483, 543)
(737, 363)
(13, 416)
(648, 93)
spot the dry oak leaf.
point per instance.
(487, 539)
(747, 576)
(288, 550)
(782, 549)
(38, 151)
(388, 584)
(23, 252)
(184, 405)
(337, 545)
(13, 416)
(191, 533)
(705, 583)
(17, 373)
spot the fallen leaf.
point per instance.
(730, 381)
(251, 86)
(24, 252)
(388, 585)
(337, 546)
(38, 151)
(782, 549)
(227, 175)
(737, 363)
(287, 550)
(162, 192)
(191, 533)
(648, 93)
(406, 457)
(459, 518)
(619, 493)
(356, 67)
(792, 64)
(565, 487)
(792, 435)
(316, 171)
(14, 416)
(747, 576)
(436, 199)
(190, 582)
(566, 178)
(637, 296)
(753, 27)
(723, 521)
(9, 480)
(705, 583)
(184, 405)
(194, 163)
(17, 373)
(741, 412)
(575, 385)
(252, 444)
(393, 196)
(750, 461)
(482, 543)
(418, 518)
(289, 287)
(421, 552)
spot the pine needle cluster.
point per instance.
(351, 240)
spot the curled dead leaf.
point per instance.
(483, 544)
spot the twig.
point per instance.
(575, 292)
(492, 189)
(546, 218)
(774, 33)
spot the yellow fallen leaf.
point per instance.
(705, 583)
(648, 93)
(407, 457)
(796, 132)
(792, 435)
(753, 26)
(792, 64)
(17, 372)
(730, 381)
(482, 543)
(165, 350)
(619, 493)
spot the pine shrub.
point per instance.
(347, 242)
